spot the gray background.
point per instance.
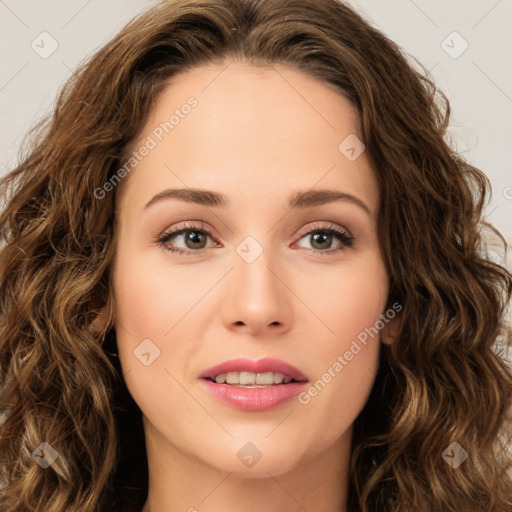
(478, 82)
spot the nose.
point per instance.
(258, 301)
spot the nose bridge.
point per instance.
(257, 293)
(253, 269)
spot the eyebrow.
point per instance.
(298, 200)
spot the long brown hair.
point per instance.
(441, 381)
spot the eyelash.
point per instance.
(341, 234)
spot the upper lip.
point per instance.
(267, 364)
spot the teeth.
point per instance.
(252, 379)
(220, 379)
(244, 378)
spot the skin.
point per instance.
(257, 135)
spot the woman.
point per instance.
(242, 269)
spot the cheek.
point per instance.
(146, 310)
(350, 301)
(150, 295)
(345, 298)
(152, 301)
(340, 386)
(140, 309)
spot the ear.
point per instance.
(390, 330)
(99, 323)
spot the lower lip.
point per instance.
(254, 399)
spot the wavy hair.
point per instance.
(443, 380)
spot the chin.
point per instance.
(255, 459)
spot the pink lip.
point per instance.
(254, 399)
(267, 364)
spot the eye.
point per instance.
(322, 237)
(193, 236)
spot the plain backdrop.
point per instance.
(465, 44)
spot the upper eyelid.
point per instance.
(202, 227)
(318, 226)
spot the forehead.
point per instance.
(257, 129)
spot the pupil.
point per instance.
(326, 236)
(194, 237)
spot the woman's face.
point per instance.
(270, 281)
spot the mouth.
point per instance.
(254, 386)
